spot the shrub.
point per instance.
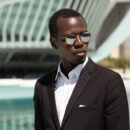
(121, 63)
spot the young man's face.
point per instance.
(75, 53)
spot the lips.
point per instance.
(80, 52)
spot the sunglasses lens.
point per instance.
(85, 36)
(85, 39)
(70, 39)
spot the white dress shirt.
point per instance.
(64, 87)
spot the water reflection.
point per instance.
(16, 114)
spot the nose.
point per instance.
(78, 43)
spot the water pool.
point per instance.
(16, 114)
(16, 108)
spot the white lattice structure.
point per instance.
(24, 28)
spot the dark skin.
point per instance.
(71, 55)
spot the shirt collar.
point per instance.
(77, 70)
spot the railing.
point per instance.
(17, 121)
(26, 22)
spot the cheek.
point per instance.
(65, 53)
(65, 49)
(85, 46)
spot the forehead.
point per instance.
(71, 25)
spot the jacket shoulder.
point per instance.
(100, 69)
(47, 78)
(106, 71)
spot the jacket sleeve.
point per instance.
(116, 105)
(38, 122)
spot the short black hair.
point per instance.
(66, 13)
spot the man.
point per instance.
(79, 94)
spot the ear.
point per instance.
(53, 42)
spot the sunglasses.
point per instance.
(71, 38)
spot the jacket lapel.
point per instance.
(51, 91)
(53, 107)
(81, 84)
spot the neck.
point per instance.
(66, 68)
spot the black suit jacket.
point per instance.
(101, 91)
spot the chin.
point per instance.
(79, 60)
